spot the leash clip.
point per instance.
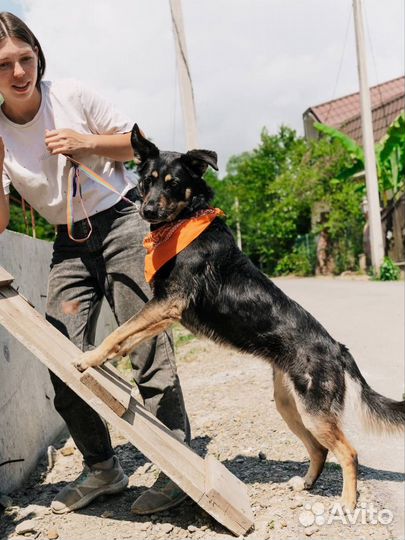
(73, 189)
(75, 179)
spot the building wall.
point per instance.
(28, 421)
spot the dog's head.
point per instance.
(170, 182)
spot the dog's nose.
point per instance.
(149, 210)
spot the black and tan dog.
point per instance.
(214, 290)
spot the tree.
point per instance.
(277, 184)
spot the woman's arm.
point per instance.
(4, 203)
(67, 141)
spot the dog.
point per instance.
(215, 291)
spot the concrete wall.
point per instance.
(28, 421)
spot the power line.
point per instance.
(375, 69)
(348, 24)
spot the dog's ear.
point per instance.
(143, 148)
(198, 160)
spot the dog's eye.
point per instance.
(174, 181)
(145, 182)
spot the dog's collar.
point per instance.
(170, 239)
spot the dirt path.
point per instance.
(229, 399)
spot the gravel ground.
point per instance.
(229, 398)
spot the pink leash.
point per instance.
(74, 189)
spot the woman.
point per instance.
(40, 123)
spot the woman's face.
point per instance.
(18, 71)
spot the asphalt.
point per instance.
(368, 317)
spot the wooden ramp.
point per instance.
(206, 481)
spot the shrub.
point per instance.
(389, 271)
(299, 263)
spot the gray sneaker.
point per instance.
(91, 483)
(164, 494)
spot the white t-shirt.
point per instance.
(41, 179)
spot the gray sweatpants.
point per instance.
(111, 265)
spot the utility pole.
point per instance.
(374, 215)
(185, 83)
(238, 231)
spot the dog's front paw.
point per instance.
(86, 360)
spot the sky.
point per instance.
(254, 63)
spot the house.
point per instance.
(387, 102)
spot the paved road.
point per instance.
(368, 317)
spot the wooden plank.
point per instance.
(149, 435)
(223, 489)
(5, 277)
(108, 385)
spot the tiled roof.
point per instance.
(387, 101)
(383, 116)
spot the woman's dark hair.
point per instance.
(13, 27)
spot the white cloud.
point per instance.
(254, 63)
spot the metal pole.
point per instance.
(238, 232)
(186, 87)
(374, 215)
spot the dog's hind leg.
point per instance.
(287, 407)
(330, 435)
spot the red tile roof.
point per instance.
(387, 101)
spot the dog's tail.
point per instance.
(382, 413)
(379, 413)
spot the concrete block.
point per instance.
(28, 420)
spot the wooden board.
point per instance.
(208, 483)
(223, 489)
(5, 277)
(107, 384)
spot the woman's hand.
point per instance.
(68, 141)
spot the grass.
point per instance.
(330, 466)
(124, 366)
(181, 336)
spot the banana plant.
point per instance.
(389, 153)
(390, 156)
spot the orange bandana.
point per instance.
(167, 241)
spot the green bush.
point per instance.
(298, 263)
(44, 230)
(294, 263)
(389, 271)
